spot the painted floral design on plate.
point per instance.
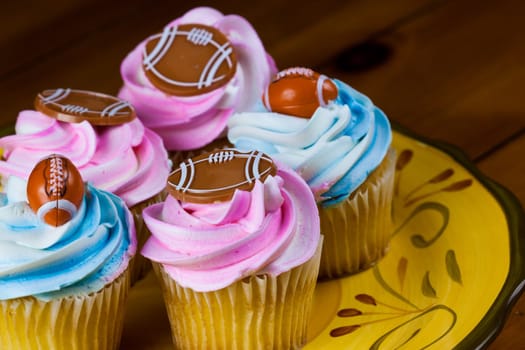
(448, 261)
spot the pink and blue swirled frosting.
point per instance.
(268, 230)
(334, 151)
(186, 123)
(79, 257)
(128, 160)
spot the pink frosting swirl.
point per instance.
(128, 160)
(206, 247)
(186, 123)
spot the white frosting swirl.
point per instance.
(334, 150)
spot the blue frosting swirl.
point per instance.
(81, 256)
(334, 151)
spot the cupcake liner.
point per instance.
(357, 231)
(90, 322)
(178, 157)
(258, 312)
(140, 266)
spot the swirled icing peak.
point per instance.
(334, 150)
(268, 229)
(187, 109)
(126, 159)
(78, 257)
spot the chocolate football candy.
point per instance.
(75, 106)
(55, 190)
(299, 92)
(189, 59)
(215, 176)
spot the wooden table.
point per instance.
(448, 70)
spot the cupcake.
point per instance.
(339, 142)
(236, 248)
(188, 80)
(65, 249)
(101, 135)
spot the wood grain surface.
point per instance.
(447, 70)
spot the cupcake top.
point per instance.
(98, 133)
(60, 237)
(186, 81)
(230, 215)
(331, 134)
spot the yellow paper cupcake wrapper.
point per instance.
(140, 266)
(258, 312)
(357, 231)
(92, 322)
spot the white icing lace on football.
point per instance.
(199, 36)
(307, 72)
(184, 176)
(220, 157)
(319, 87)
(212, 66)
(113, 109)
(74, 109)
(255, 166)
(58, 95)
(161, 48)
(57, 184)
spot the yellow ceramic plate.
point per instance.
(453, 271)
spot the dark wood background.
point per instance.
(447, 70)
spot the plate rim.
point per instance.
(494, 320)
